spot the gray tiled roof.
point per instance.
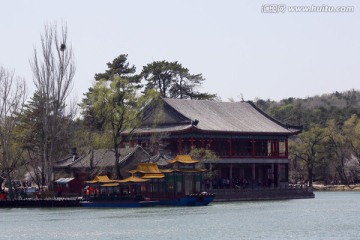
(66, 161)
(161, 159)
(101, 158)
(227, 116)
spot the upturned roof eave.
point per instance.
(187, 129)
(200, 130)
(297, 129)
(244, 132)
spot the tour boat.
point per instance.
(149, 186)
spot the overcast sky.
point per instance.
(238, 48)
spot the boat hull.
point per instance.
(118, 204)
(188, 201)
(191, 200)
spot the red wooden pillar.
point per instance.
(242, 148)
(260, 175)
(230, 148)
(202, 147)
(209, 143)
(272, 175)
(278, 175)
(272, 148)
(192, 143)
(286, 149)
(253, 178)
(180, 148)
(253, 148)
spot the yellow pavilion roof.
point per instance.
(153, 176)
(149, 171)
(101, 179)
(132, 179)
(135, 171)
(183, 159)
(147, 168)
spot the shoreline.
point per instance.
(336, 188)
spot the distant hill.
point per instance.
(313, 110)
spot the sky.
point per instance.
(241, 48)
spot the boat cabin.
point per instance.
(148, 182)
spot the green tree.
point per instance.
(31, 129)
(352, 130)
(32, 132)
(314, 110)
(118, 105)
(339, 147)
(111, 106)
(119, 67)
(309, 148)
(206, 157)
(172, 80)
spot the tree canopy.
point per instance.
(119, 69)
(119, 66)
(172, 80)
(337, 115)
(113, 103)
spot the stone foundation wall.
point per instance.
(223, 195)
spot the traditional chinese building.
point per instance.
(76, 169)
(251, 146)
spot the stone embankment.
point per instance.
(37, 203)
(224, 195)
(322, 187)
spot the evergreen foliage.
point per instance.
(314, 110)
(334, 159)
(172, 80)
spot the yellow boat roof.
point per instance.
(101, 179)
(183, 159)
(153, 176)
(147, 168)
(132, 179)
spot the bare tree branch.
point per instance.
(53, 78)
(12, 99)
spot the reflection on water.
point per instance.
(334, 215)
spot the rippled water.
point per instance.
(331, 215)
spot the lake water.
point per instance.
(331, 215)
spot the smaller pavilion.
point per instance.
(149, 182)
